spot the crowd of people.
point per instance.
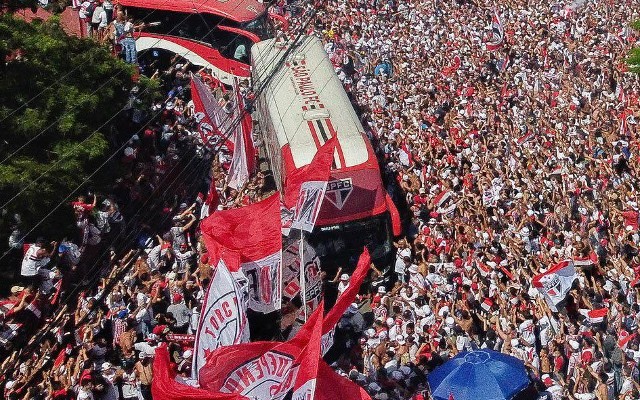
(87, 313)
(510, 161)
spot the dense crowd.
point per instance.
(136, 271)
(509, 161)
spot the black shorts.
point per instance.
(95, 25)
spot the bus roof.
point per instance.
(305, 105)
(235, 10)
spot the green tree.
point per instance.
(634, 57)
(63, 93)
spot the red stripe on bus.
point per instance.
(333, 133)
(314, 134)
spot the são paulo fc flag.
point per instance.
(243, 160)
(556, 282)
(497, 33)
(344, 300)
(249, 240)
(223, 319)
(265, 370)
(207, 115)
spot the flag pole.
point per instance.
(303, 284)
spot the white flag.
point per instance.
(223, 320)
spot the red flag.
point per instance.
(396, 224)
(243, 160)
(165, 387)
(306, 379)
(250, 239)
(319, 169)
(260, 370)
(345, 299)
(334, 386)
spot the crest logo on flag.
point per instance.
(552, 285)
(338, 191)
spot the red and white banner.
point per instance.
(243, 160)
(223, 319)
(556, 282)
(291, 273)
(249, 240)
(211, 201)
(308, 205)
(207, 114)
(261, 370)
(497, 33)
(344, 300)
(164, 385)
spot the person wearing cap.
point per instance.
(343, 284)
(144, 373)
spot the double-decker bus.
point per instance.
(215, 34)
(300, 108)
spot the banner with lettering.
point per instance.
(165, 386)
(291, 273)
(223, 320)
(208, 115)
(260, 370)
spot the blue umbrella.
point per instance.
(478, 375)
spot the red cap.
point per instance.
(177, 298)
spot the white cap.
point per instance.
(514, 342)
(187, 354)
(574, 345)
(400, 339)
(344, 277)
(382, 290)
(390, 322)
(450, 321)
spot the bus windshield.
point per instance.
(340, 245)
(258, 26)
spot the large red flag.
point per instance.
(260, 370)
(250, 239)
(333, 386)
(165, 387)
(344, 300)
(319, 169)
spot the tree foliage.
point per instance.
(64, 94)
(634, 56)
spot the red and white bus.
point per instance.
(301, 107)
(215, 34)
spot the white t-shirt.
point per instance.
(400, 255)
(31, 263)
